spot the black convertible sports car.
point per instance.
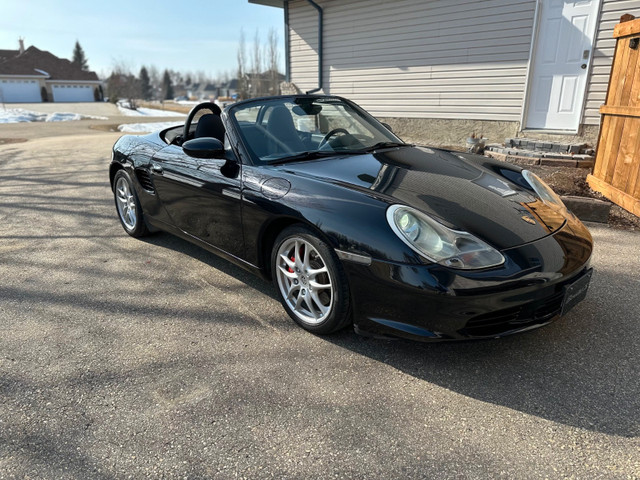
(355, 226)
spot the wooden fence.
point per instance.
(616, 173)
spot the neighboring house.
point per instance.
(448, 66)
(265, 83)
(212, 90)
(209, 91)
(229, 89)
(32, 75)
(193, 91)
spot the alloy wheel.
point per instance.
(126, 204)
(304, 280)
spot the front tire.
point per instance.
(128, 205)
(311, 282)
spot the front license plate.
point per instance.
(575, 293)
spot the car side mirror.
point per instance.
(204, 147)
(387, 126)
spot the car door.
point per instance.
(201, 196)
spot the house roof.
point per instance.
(5, 54)
(269, 3)
(34, 61)
(266, 75)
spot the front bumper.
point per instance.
(431, 302)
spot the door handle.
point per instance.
(156, 168)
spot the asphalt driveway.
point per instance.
(122, 358)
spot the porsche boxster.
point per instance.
(355, 226)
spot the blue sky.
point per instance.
(191, 35)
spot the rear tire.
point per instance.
(128, 205)
(310, 280)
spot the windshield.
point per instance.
(308, 127)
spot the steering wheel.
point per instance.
(201, 106)
(326, 138)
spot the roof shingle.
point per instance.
(34, 59)
(5, 54)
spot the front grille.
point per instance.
(550, 308)
(501, 321)
(536, 312)
(145, 180)
(495, 318)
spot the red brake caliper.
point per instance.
(293, 259)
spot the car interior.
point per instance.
(208, 125)
(276, 129)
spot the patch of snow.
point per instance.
(66, 117)
(145, 127)
(18, 115)
(146, 112)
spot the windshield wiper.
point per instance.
(380, 145)
(310, 155)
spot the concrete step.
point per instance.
(536, 145)
(529, 157)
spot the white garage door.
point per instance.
(21, 91)
(72, 93)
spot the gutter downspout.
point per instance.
(320, 56)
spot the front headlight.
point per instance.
(543, 190)
(441, 244)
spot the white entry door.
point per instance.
(561, 56)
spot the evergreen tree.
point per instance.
(167, 86)
(79, 59)
(145, 84)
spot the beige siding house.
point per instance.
(33, 76)
(441, 69)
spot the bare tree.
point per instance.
(242, 68)
(201, 77)
(123, 85)
(256, 66)
(154, 78)
(263, 78)
(273, 58)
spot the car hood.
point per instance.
(479, 197)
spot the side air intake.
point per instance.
(145, 180)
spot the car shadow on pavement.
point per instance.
(172, 242)
(579, 371)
